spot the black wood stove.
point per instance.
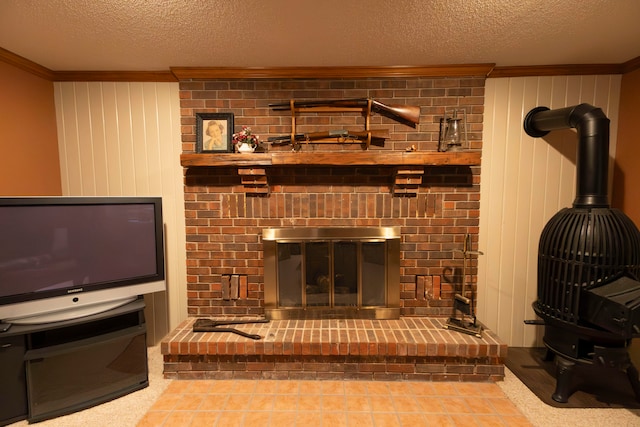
(588, 260)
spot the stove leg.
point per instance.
(564, 374)
(632, 374)
(549, 356)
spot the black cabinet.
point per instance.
(13, 391)
(59, 368)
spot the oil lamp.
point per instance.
(453, 132)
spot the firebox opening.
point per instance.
(332, 273)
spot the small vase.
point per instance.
(246, 148)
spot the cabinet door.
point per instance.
(68, 377)
(13, 391)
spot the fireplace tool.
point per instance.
(209, 325)
(462, 304)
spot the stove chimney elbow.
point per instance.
(592, 165)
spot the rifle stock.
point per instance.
(406, 114)
(409, 114)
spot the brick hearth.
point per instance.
(410, 348)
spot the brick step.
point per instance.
(409, 348)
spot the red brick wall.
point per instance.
(224, 223)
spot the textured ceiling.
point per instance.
(147, 35)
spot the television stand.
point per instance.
(52, 369)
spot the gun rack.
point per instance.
(365, 110)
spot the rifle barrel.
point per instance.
(407, 114)
(355, 102)
(341, 133)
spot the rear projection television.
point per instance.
(67, 257)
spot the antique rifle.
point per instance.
(377, 136)
(340, 133)
(406, 114)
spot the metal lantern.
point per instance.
(453, 131)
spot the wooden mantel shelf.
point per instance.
(341, 158)
(408, 167)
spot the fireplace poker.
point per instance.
(463, 304)
(209, 325)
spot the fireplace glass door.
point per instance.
(333, 274)
(342, 277)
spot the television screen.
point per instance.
(63, 246)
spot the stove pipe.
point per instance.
(593, 147)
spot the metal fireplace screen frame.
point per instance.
(389, 309)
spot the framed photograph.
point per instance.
(214, 132)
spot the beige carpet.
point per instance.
(542, 415)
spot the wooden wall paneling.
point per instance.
(84, 142)
(509, 213)
(165, 178)
(493, 159)
(152, 137)
(608, 94)
(113, 175)
(140, 169)
(522, 199)
(170, 178)
(533, 222)
(123, 139)
(537, 179)
(67, 132)
(98, 140)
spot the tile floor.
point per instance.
(291, 403)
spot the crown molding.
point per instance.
(114, 76)
(556, 70)
(631, 65)
(208, 73)
(25, 64)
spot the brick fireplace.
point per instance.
(230, 203)
(225, 219)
